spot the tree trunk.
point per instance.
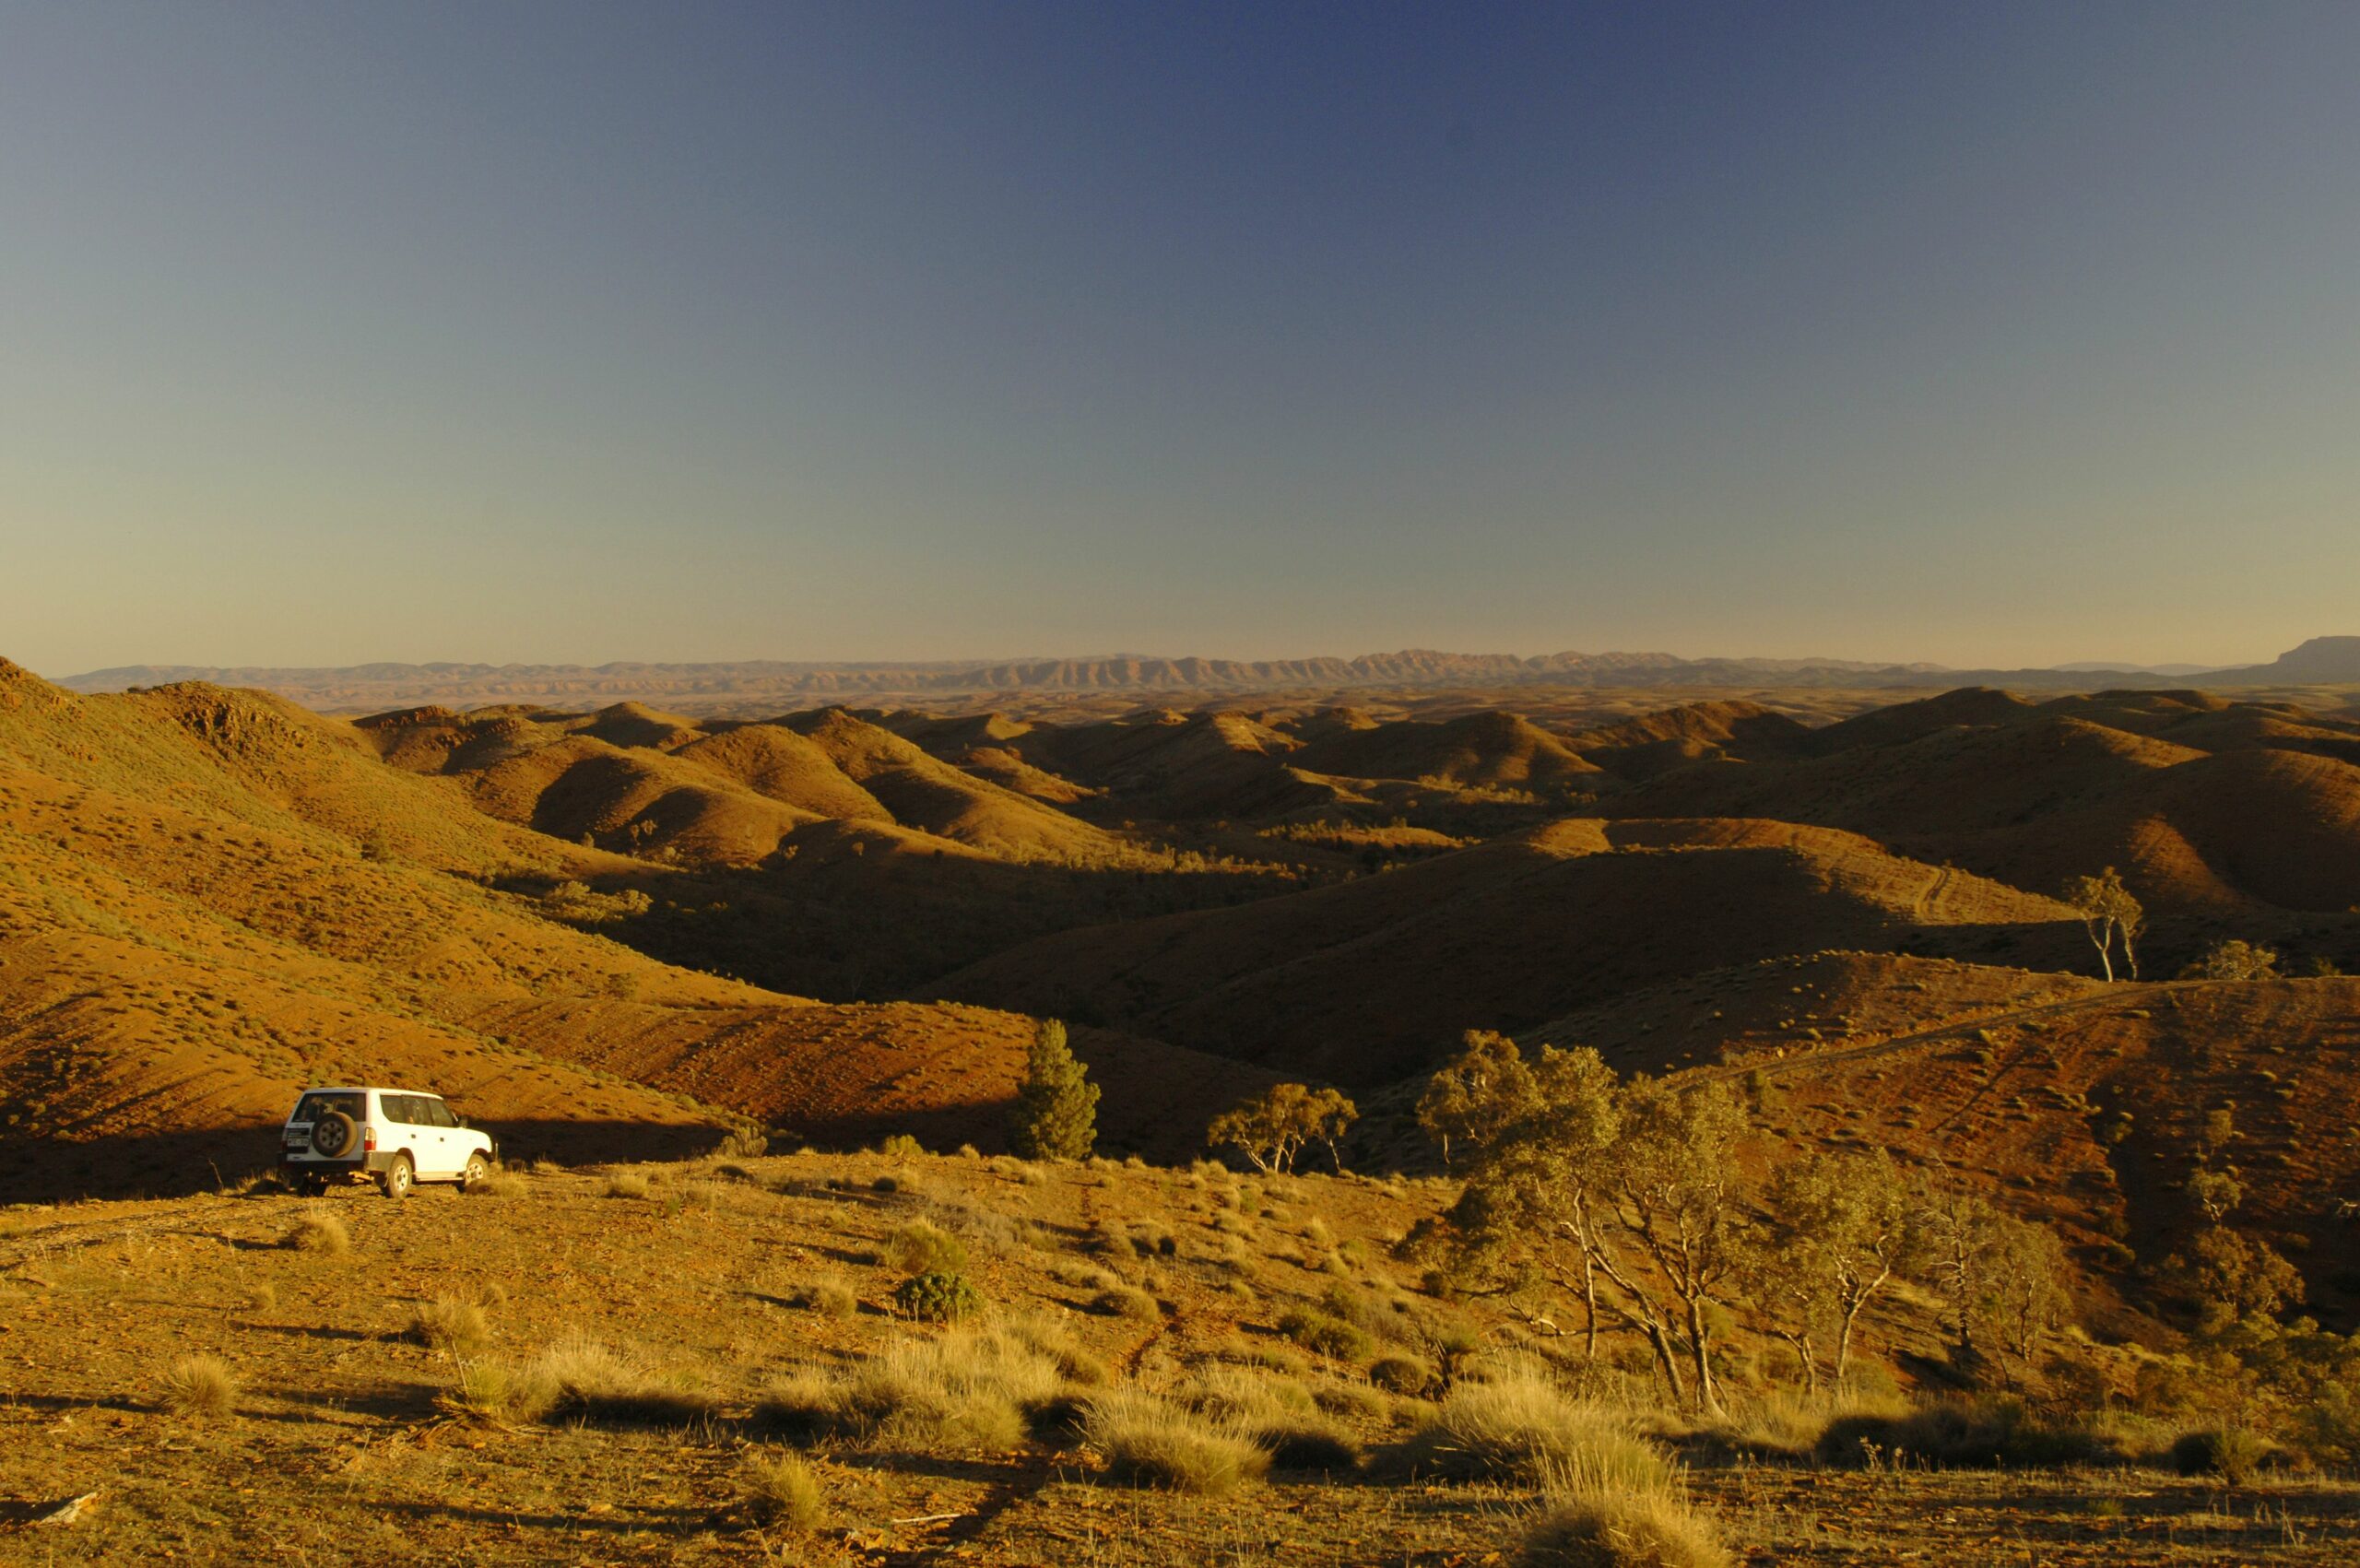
(1844, 1341)
(1589, 1307)
(1667, 1362)
(1798, 1341)
(2104, 945)
(1700, 1346)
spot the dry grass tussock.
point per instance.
(1617, 1505)
(1278, 1415)
(1154, 1441)
(318, 1231)
(1522, 1426)
(200, 1387)
(453, 1324)
(828, 1295)
(1628, 1531)
(1125, 1300)
(628, 1183)
(983, 1387)
(586, 1380)
(780, 1490)
(500, 1184)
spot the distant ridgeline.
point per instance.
(376, 687)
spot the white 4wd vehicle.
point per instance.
(391, 1136)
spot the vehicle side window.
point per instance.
(433, 1112)
(397, 1108)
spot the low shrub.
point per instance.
(1401, 1373)
(970, 1388)
(742, 1143)
(499, 1184)
(923, 1247)
(1353, 1401)
(902, 1146)
(2231, 1453)
(201, 1387)
(937, 1297)
(827, 1297)
(499, 1391)
(628, 1183)
(1969, 1434)
(1124, 1301)
(1327, 1336)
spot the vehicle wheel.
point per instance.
(335, 1136)
(398, 1177)
(476, 1172)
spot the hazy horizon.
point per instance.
(1992, 338)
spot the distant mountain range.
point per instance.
(764, 684)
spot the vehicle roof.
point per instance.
(367, 1089)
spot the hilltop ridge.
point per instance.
(744, 687)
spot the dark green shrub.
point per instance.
(1978, 1433)
(937, 1297)
(2232, 1452)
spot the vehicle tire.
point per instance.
(335, 1136)
(476, 1172)
(398, 1178)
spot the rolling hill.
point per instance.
(209, 898)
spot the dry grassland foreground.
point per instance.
(727, 1361)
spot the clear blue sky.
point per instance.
(1978, 332)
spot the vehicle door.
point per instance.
(416, 1134)
(450, 1155)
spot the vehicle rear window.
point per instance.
(311, 1107)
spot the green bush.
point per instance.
(2232, 1452)
(923, 1247)
(937, 1297)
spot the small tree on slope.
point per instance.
(2107, 911)
(1056, 1106)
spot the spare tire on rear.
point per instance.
(333, 1135)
